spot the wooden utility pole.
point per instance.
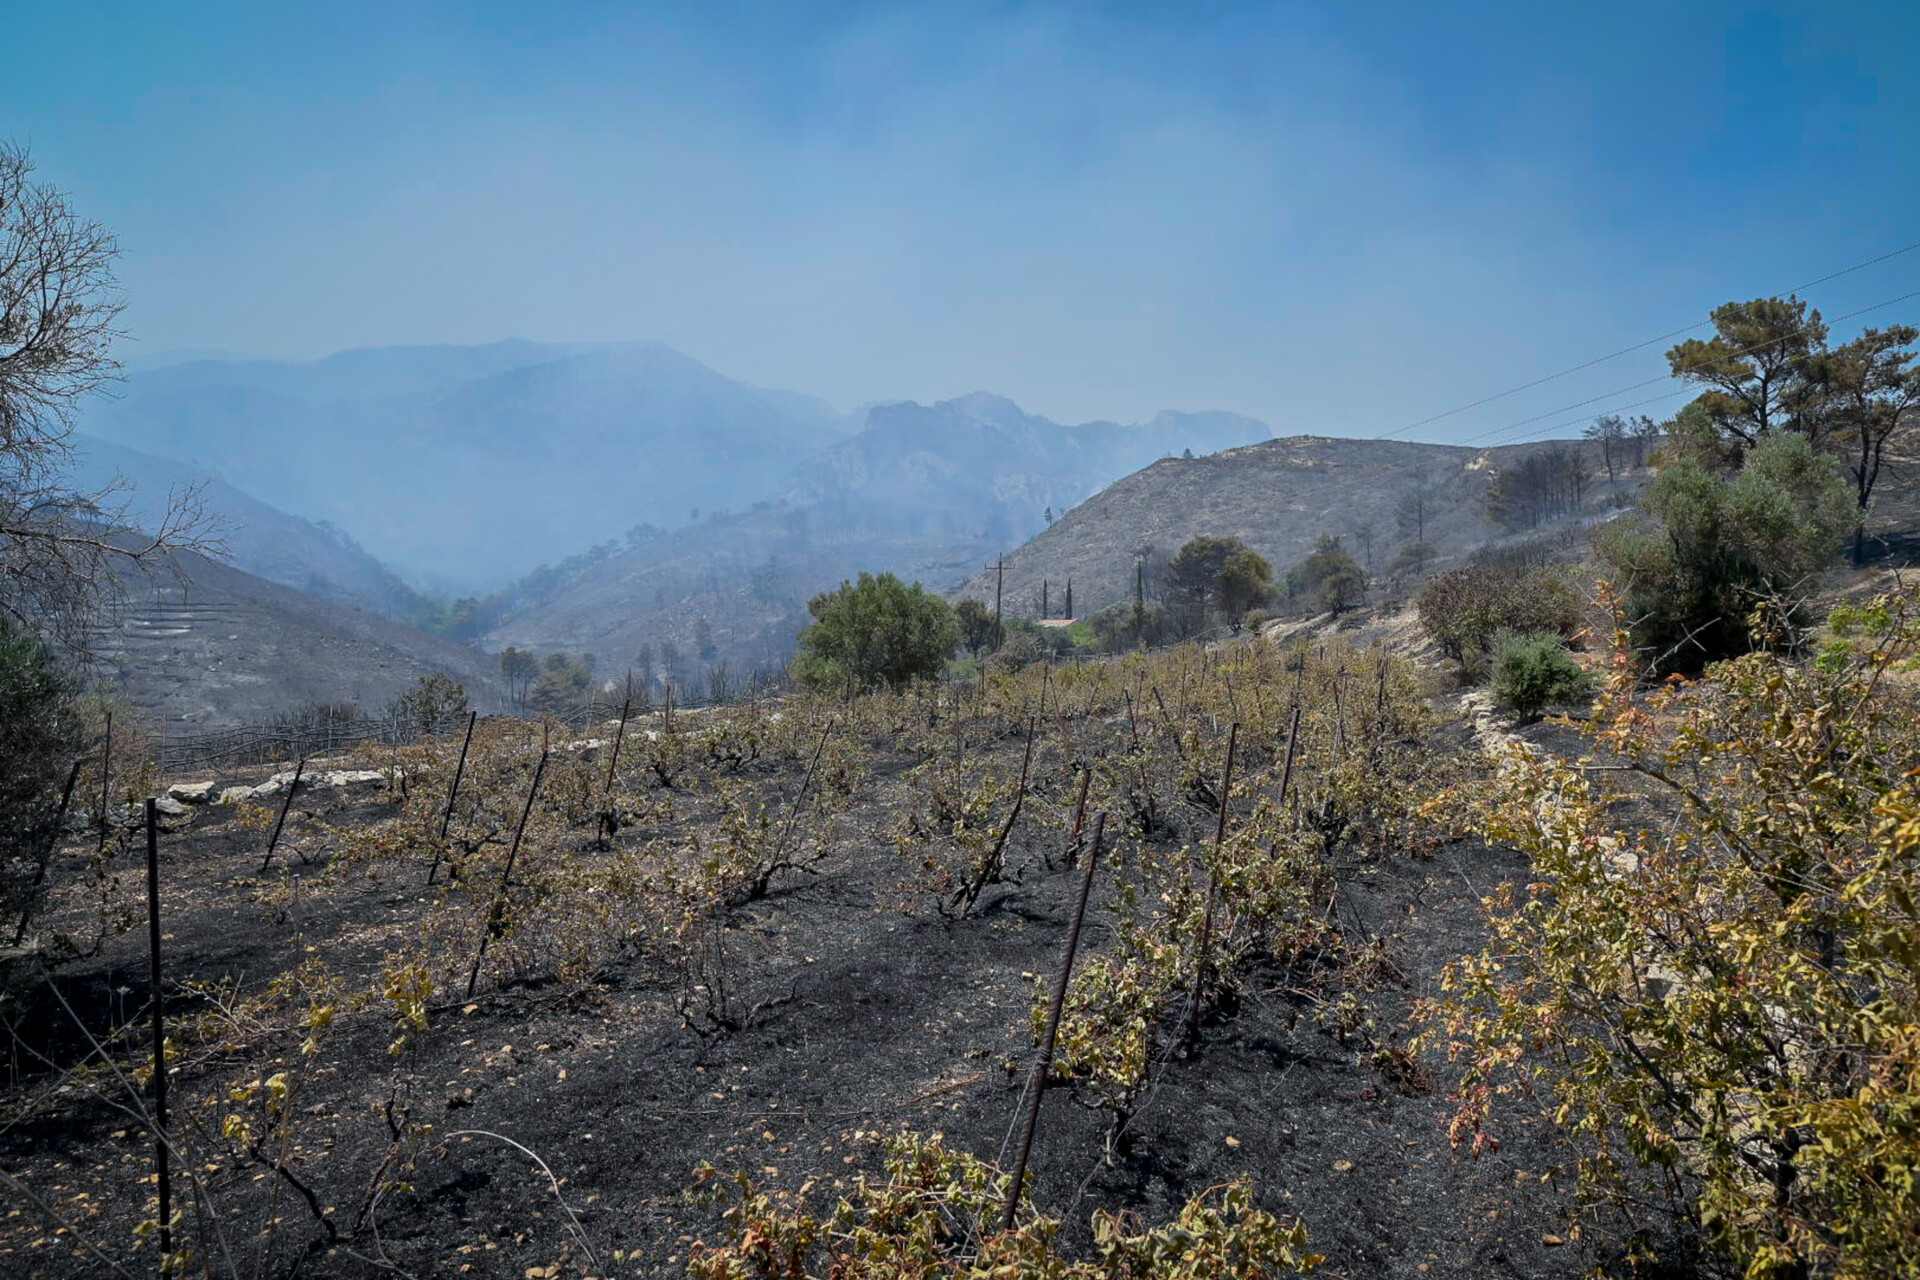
(1140, 601)
(999, 580)
(1044, 611)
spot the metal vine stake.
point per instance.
(160, 1170)
(1213, 894)
(1043, 1064)
(453, 793)
(273, 842)
(497, 912)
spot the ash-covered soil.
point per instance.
(859, 1018)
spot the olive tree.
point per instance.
(1704, 548)
(1870, 388)
(877, 631)
(978, 627)
(1330, 576)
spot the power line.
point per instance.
(1638, 346)
(1617, 391)
(1548, 431)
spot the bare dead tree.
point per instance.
(1417, 507)
(1610, 431)
(61, 551)
(1643, 431)
(1869, 390)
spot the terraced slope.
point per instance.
(218, 646)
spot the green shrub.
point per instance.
(1244, 582)
(1120, 627)
(1705, 548)
(437, 703)
(1464, 610)
(873, 632)
(1533, 672)
(39, 732)
(979, 629)
(1045, 642)
(1215, 578)
(1330, 577)
(1738, 1013)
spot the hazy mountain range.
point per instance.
(460, 468)
(980, 463)
(464, 467)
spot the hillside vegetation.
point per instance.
(1277, 497)
(260, 539)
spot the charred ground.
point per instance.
(777, 1033)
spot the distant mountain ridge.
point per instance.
(364, 373)
(712, 510)
(924, 491)
(468, 466)
(981, 458)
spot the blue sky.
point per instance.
(1338, 218)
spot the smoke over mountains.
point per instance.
(688, 508)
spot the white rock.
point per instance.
(167, 806)
(274, 786)
(352, 778)
(191, 792)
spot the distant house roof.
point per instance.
(1058, 622)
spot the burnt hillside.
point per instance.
(1277, 497)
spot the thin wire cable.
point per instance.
(1547, 432)
(1165, 1059)
(1638, 346)
(1617, 391)
(1018, 1108)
